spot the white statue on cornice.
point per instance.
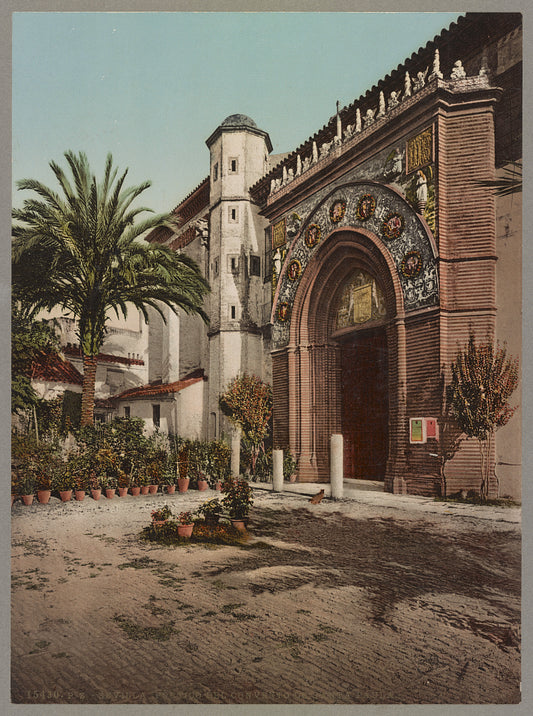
(420, 81)
(202, 230)
(325, 149)
(285, 178)
(381, 112)
(306, 164)
(484, 69)
(290, 174)
(358, 125)
(348, 132)
(369, 117)
(407, 85)
(394, 100)
(458, 71)
(436, 68)
(315, 153)
(298, 165)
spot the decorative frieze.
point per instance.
(377, 209)
(373, 115)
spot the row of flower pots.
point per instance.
(43, 496)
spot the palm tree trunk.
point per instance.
(87, 395)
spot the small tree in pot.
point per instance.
(238, 498)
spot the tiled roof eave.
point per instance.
(160, 391)
(469, 86)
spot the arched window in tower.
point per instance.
(361, 300)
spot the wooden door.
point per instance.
(365, 406)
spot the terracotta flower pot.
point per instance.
(144, 489)
(122, 491)
(158, 523)
(171, 489)
(218, 486)
(65, 495)
(239, 525)
(44, 496)
(110, 492)
(27, 499)
(185, 530)
(79, 495)
(135, 491)
(183, 484)
(202, 485)
(96, 494)
(152, 489)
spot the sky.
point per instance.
(150, 87)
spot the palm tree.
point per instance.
(81, 250)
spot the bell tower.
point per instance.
(238, 159)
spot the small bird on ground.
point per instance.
(317, 498)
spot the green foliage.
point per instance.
(289, 465)
(29, 338)
(81, 250)
(199, 459)
(71, 411)
(238, 497)
(483, 379)
(210, 508)
(34, 464)
(247, 402)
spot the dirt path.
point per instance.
(335, 603)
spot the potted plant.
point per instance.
(211, 511)
(44, 487)
(77, 468)
(238, 498)
(123, 482)
(185, 524)
(63, 482)
(169, 480)
(201, 481)
(110, 486)
(145, 483)
(135, 483)
(160, 516)
(95, 485)
(27, 488)
(80, 487)
(182, 466)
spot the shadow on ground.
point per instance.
(393, 560)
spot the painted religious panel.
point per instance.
(361, 301)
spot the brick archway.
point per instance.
(311, 366)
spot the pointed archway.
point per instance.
(326, 357)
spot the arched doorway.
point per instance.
(360, 316)
(342, 363)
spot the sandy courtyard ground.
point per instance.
(337, 603)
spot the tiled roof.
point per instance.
(104, 403)
(103, 357)
(52, 367)
(153, 390)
